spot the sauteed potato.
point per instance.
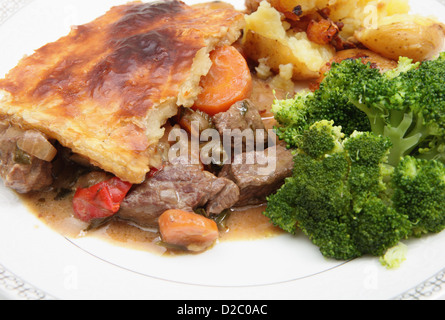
(415, 37)
(353, 14)
(280, 53)
(268, 37)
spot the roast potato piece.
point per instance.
(411, 36)
(268, 38)
(352, 13)
(259, 47)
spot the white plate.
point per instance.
(38, 263)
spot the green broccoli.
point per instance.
(378, 176)
(333, 170)
(394, 257)
(377, 227)
(321, 139)
(298, 114)
(368, 161)
(419, 193)
(407, 105)
(334, 196)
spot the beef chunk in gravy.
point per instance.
(257, 172)
(240, 117)
(184, 187)
(261, 178)
(19, 170)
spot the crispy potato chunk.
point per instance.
(411, 36)
(269, 38)
(353, 13)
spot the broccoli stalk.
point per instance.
(395, 102)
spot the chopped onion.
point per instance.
(36, 144)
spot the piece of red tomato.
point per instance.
(100, 201)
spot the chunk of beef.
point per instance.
(178, 187)
(259, 174)
(20, 171)
(242, 115)
(241, 120)
(224, 199)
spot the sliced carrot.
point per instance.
(228, 81)
(189, 230)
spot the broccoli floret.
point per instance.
(334, 196)
(377, 226)
(292, 112)
(315, 201)
(320, 139)
(407, 105)
(419, 193)
(296, 115)
(394, 257)
(286, 207)
(368, 155)
(405, 65)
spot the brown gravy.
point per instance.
(242, 225)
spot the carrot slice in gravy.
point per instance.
(228, 81)
(189, 230)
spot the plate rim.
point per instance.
(14, 287)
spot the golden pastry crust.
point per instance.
(107, 88)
